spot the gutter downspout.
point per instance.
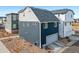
(39, 34)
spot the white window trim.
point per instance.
(45, 25)
(55, 24)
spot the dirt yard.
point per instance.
(75, 26)
(3, 33)
(17, 45)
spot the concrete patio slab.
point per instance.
(68, 46)
(3, 49)
(73, 49)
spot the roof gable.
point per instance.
(22, 10)
(44, 15)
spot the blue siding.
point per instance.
(29, 32)
(45, 32)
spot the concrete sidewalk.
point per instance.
(68, 46)
(3, 49)
(73, 49)
(9, 37)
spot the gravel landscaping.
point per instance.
(17, 45)
(3, 33)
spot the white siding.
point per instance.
(8, 24)
(28, 15)
(61, 17)
(61, 29)
(56, 15)
(68, 29)
(66, 17)
(65, 31)
(69, 16)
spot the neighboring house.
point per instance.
(38, 26)
(66, 18)
(76, 20)
(11, 24)
(2, 20)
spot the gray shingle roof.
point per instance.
(12, 14)
(2, 17)
(22, 10)
(62, 11)
(76, 19)
(43, 15)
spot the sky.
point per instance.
(11, 9)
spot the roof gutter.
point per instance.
(49, 21)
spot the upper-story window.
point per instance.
(70, 23)
(58, 15)
(14, 17)
(23, 14)
(34, 23)
(65, 23)
(29, 11)
(71, 16)
(45, 25)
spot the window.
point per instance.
(34, 23)
(58, 15)
(55, 24)
(45, 25)
(14, 26)
(65, 23)
(23, 14)
(59, 22)
(14, 17)
(70, 23)
(71, 16)
(29, 11)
